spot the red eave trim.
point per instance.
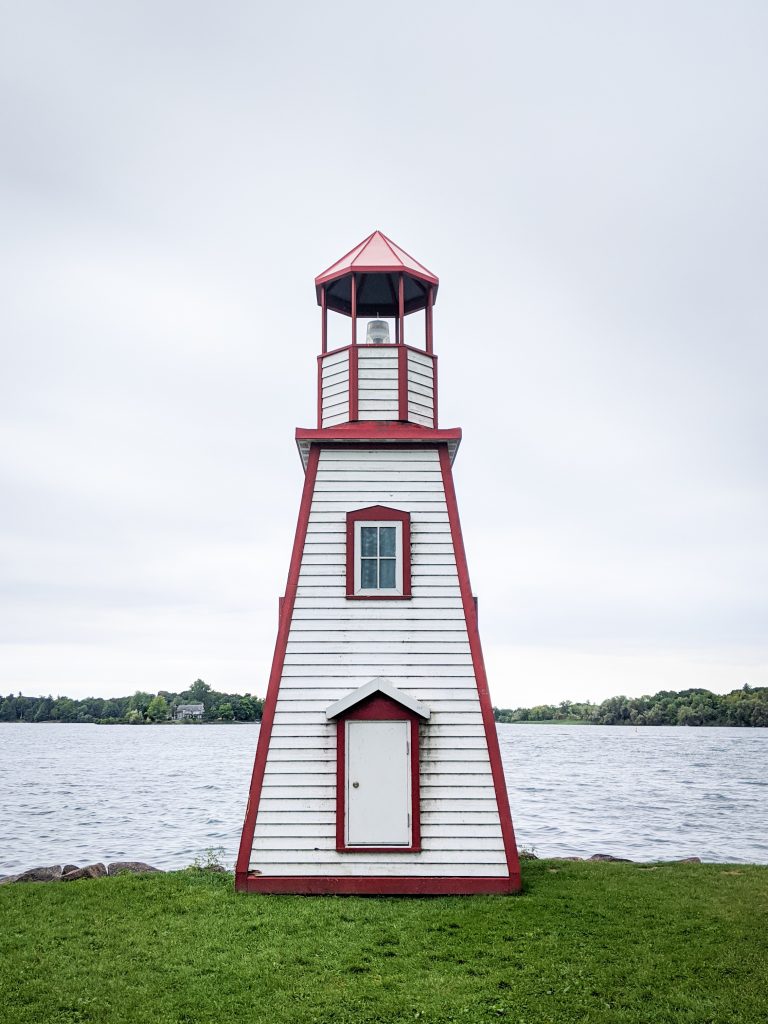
(386, 885)
(378, 268)
(373, 430)
(270, 702)
(470, 615)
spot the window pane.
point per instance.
(387, 572)
(368, 542)
(387, 541)
(368, 574)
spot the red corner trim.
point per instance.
(354, 387)
(374, 512)
(377, 708)
(387, 885)
(402, 383)
(470, 614)
(268, 717)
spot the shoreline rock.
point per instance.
(72, 872)
(89, 871)
(131, 867)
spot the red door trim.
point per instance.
(470, 615)
(377, 708)
(270, 701)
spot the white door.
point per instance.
(378, 796)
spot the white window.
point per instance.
(378, 558)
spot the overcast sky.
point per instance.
(588, 181)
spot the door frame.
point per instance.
(377, 708)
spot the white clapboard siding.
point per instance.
(335, 389)
(377, 374)
(421, 382)
(421, 645)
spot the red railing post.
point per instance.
(401, 309)
(354, 310)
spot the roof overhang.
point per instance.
(378, 432)
(384, 687)
(377, 265)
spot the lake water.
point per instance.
(84, 793)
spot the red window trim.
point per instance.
(376, 708)
(373, 514)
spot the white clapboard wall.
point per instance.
(377, 377)
(421, 389)
(334, 370)
(378, 395)
(336, 645)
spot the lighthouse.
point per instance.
(377, 768)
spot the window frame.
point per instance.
(379, 515)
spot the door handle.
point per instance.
(355, 785)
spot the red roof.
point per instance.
(376, 254)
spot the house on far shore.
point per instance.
(194, 711)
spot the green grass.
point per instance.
(590, 942)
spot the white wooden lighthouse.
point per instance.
(377, 768)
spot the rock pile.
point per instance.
(72, 872)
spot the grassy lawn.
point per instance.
(585, 942)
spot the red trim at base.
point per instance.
(334, 885)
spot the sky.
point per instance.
(589, 183)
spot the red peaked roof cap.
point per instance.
(382, 258)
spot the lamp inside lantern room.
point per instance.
(377, 333)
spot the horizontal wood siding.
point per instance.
(334, 383)
(421, 389)
(377, 380)
(336, 645)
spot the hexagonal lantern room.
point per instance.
(377, 768)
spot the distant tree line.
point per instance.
(140, 708)
(745, 707)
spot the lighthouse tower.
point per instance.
(377, 768)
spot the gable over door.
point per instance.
(378, 783)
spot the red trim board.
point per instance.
(354, 382)
(402, 383)
(378, 430)
(270, 701)
(380, 885)
(470, 615)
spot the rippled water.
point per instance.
(84, 793)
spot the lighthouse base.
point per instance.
(334, 885)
